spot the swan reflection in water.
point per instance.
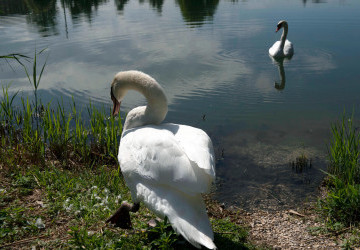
(280, 63)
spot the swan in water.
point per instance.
(284, 47)
(166, 166)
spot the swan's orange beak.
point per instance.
(116, 104)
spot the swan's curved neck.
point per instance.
(156, 109)
(284, 35)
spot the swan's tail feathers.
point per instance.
(192, 235)
(187, 214)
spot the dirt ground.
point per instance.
(284, 229)
(289, 230)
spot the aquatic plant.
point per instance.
(301, 163)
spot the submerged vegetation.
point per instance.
(301, 163)
(60, 180)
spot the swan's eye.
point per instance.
(279, 26)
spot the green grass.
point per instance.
(343, 201)
(56, 134)
(228, 235)
(48, 131)
(344, 153)
(60, 180)
(74, 204)
(341, 206)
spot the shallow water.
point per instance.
(212, 59)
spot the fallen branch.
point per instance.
(296, 213)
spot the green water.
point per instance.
(212, 59)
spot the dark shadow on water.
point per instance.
(252, 186)
(257, 173)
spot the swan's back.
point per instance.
(173, 155)
(167, 167)
(277, 51)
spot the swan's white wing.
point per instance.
(197, 145)
(187, 214)
(152, 154)
(275, 49)
(288, 48)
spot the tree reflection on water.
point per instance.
(43, 13)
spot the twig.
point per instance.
(296, 213)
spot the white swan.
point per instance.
(166, 166)
(284, 47)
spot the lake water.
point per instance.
(212, 59)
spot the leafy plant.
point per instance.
(14, 224)
(83, 239)
(342, 204)
(162, 236)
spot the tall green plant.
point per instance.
(342, 203)
(6, 104)
(344, 152)
(15, 56)
(53, 131)
(33, 78)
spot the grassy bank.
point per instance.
(55, 207)
(340, 207)
(60, 181)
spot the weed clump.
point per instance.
(301, 163)
(342, 204)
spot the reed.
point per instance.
(344, 152)
(33, 78)
(58, 134)
(342, 204)
(48, 131)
